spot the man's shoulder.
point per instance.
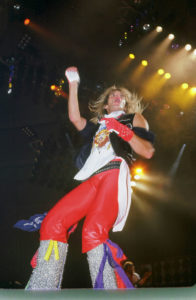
(89, 129)
(127, 116)
(127, 119)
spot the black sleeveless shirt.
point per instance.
(121, 147)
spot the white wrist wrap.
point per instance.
(72, 76)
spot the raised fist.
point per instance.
(72, 74)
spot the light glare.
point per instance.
(184, 86)
(131, 56)
(193, 90)
(167, 75)
(139, 171)
(171, 36)
(159, 29)
(146, 27)
(161, 71)
(53, 87)
(26, 22)
(137, 177)
(144, 63)
(188, 47)
(133, 183)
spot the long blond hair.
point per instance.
(133, 103)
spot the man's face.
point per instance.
(116, 101)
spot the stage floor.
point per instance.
(142, 293)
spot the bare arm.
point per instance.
(139, 145)
(73, 106)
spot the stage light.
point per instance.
(193, 90)
(146, 27)
(120, 43)
(171, 36)
(16, 6)
(194, 52)
(26, 22)
(131, 56)
(144, 63)
(133, 183)
(131, 28)
(139, 171)
(53, 87)
(137, 177)
(161, 71)
(184, 86)
(167, 75)
(159, 29)
(188, 47)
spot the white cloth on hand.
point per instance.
(72, 76)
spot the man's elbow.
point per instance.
(73, 119)
(79, 123)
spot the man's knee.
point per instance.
(93, 235)
(53, 228)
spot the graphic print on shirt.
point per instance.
(102, 138)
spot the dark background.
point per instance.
(37, 168)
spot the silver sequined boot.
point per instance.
(48, 273)
(95, 257)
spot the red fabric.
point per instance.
(34, 260)
(72, 229)
(120, 283)
(119, 260)
(95, 199)
(123, 131)
(35, 256)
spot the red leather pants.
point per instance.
(95, 199)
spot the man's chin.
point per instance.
(116, 108)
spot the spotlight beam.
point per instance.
(176, 163)
(146, 41)
(153, 85)
(160, 51)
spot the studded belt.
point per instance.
(109, 166)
